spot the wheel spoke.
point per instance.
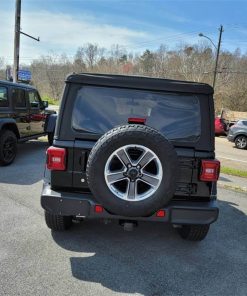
(146, 158)
(136, 179)
(150, 179)
(123, 157)
(131, 191)
(114, 177)
(241, 142)
(8, 149)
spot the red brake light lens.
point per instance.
(98, 209)
(161, 213)
(137, 120)
(56, 159)
(210, 170)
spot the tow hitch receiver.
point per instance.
(128, 225)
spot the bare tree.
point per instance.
(79, 60)
(91, 52)
(2, 63)
(186, 62)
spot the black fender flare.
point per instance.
(50, 123)
(9, 123)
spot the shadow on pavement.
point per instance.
(154, 260)
(224, 179)
(28, 167)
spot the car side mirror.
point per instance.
(45, 104)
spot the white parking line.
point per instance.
(233, 159)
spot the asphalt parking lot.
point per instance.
(98, 259)
(229, 155)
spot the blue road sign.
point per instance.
(24, 75)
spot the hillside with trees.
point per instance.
(187, 62)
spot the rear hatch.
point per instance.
(89, 111)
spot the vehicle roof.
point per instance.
(6, 82)
(140, 82)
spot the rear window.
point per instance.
(4, 97)
(99, 109)
(19, 98)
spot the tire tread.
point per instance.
(115, 136)
(119, 132)
(57, 222)
(2, 134)
(194, 232)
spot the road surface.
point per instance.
(98, 259)
(229, 155)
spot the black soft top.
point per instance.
(140, 82)
(24, 85)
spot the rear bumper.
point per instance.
(230, 137)
(220, 131)
(83, 205)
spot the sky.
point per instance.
(64, 25)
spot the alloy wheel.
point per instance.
(133, 172)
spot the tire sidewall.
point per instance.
(240, 137)
(4, 135)
(168, 158)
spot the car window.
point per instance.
(19, 98)
(4, 102)
(98, 109)
(33, 99)
(244, 123)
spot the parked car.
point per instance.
(22, 117)
(231, 117)
(238, 134)
(220, 127)
(133, 149)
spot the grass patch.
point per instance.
(233, 172)
(50, 100)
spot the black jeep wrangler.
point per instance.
(133, 149)
(23, 117)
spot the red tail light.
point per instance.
(160, 213)
(210, 170)
(137, 120)
(56, 159)
(98, 209)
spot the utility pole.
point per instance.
(17, 39)
(217, 56)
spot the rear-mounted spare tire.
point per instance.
(132, 170)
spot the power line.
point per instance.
(178, 37)
(162, 38)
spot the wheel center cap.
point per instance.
(132, 173)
